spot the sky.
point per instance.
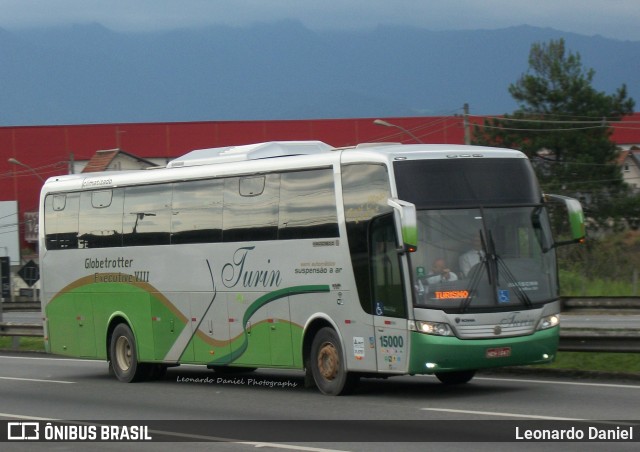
(617, 19)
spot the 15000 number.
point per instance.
(392, 341)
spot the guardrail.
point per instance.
(611, 305)
(21, 306)
(571, 339)
(600, 340)
(620, 341)
(21, 329)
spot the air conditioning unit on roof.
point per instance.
(249, 152)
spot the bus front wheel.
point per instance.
(124, 356)
(328, 365)
(455, 378)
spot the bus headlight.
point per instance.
(435, 328)
(549, 322)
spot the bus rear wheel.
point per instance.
(124, 356)
(328, 365)
(456, 378)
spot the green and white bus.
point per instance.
(298, 255)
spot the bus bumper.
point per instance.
(430, 354)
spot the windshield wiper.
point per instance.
(477, 274)
(495, 266)
(521, 294)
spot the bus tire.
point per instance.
(328, 364)
(455, 378)
(124, 356)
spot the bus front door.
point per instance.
(388, 297)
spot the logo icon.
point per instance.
(24, 431)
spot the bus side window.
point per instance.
(251, 208)
(101, 218)
(61, 221)
(386, 276)
(307, 205)
(197, 212)
(147, 215)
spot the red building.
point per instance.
(31, 154)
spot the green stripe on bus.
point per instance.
(255, 306)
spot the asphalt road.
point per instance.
(41, 387)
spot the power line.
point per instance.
(564, 129)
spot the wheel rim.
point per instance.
(328, 361)
(123, 353)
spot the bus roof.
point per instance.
(271, 156)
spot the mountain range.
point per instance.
(86, 74)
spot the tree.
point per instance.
(563, 124)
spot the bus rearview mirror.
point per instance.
(408, 227)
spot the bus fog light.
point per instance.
(549, 322)
(431, 365)
(435, 328)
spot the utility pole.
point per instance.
(467, 127)
(72, 163)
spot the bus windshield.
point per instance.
(484, 259)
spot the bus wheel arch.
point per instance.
(324, 358)
(123, 353)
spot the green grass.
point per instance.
(601, 362)
(577, 285)
(25, 343)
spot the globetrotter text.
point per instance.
(118, 262)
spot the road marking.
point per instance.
(549, 382)
(101, 361)
(494, 413)
(27, 418)
(552, 382)
(36, 380)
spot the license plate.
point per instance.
(501, 352)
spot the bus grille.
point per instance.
(492, 331)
